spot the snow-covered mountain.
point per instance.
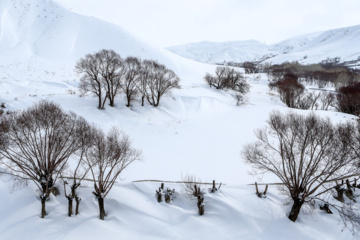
(309, 48)
(43, 29)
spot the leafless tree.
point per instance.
(250, 67)
(156, 80)
(348, 99)
(112, 69)
(73, 178)
(327, 100)
(304, 152)
(91, 80)
(289, 88)
(193, 187)
(108, 156)
(227, 78)
(102, 72)
(38, 143)
(131, 79)
(309, 100)
(218, 81)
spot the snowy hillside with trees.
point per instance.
(196, 133)
(309, 48)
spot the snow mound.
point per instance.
(234, 212)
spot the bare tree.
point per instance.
(111, 70)
(250, 67)
(108, 156)
(327, 100)
(218, 81)
(38, 143)
(102, 72)
(193, 187)
(131, 79)
(289, 88)
(91, 80)
(227, 78)
(74, 177)
(304, 152)
(156, 80)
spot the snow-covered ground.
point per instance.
(197, 130)
(309, 48)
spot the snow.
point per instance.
(197, 130)
(309, 48)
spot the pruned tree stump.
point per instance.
(261, 194)
(200, 205)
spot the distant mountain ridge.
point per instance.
(309, 48)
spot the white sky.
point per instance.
(173, 22)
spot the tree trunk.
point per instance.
(101, 208)
(70, 206)
(142, 100)
(43, 211)
(128, 103)
(295, 210)
(77, 205)
(111, 101)
(99, 96)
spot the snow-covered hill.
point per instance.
(45, 29)
(310, 48)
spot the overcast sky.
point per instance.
(173, 22)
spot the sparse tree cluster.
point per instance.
(36, 145)
(294, 94)
(227, 78)
(106, 75)
(250, 67)
(322, 74)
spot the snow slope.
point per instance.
(309, 48)
(197, 130)
(133, 213)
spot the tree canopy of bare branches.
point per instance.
(102, 73)
(38, 143)
(348, 99)
(304, 152)
(131, 79)
(250, 67)
(227, 78)
(289, 89)
(156, 80)
(108, 156)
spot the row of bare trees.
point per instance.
(37, 144)
(309, 155)
(322, 74)
(105, 74)
(345, 99)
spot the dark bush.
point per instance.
(289, 89)
(348, 99)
